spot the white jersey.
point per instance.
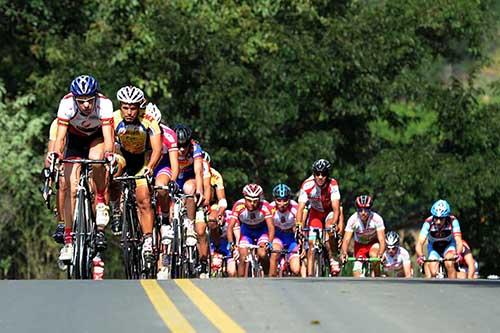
(395, 263)
(85, 125)
(365, 234)
(284, 220)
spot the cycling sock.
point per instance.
(99, 197)
(67, 235)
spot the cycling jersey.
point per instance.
(441, 240)
(320, 198)
(169, 143)
(186, 163)
(133, 137)
(365, 233)
(394, 264)
(85, 125)
(216, 179)
(284, 220)
(251, 218)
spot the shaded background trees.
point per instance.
(392, 92)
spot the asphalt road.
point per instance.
(259, 305)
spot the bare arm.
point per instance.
(300, 213)
(419, 247)
(460, 244)
(270, 228)
(174, 163)
(156, 145)
(336, 211)
(381, 241)
(407, 269)
(230, 230)
(109, 138)
(198, 171)
(346, 241)
(61, 136)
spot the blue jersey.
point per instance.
(440, 235)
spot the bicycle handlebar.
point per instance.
(440, 260)
(84, 161)
(353, 259)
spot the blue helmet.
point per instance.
(84, 85)
(282, 191)
(441, 208)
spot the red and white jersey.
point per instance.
(365, 234)
(395, 263)
(81, 124)
(284, 220)
(168, 139)
(254, 217)
(320, 198)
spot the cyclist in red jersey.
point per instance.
(323, 195)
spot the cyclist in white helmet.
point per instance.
(396, 259)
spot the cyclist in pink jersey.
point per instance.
(369, 234)
(256, 225)
(323, 195)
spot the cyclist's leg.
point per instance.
(213, 226)
(262, 240)
(293, 256)
(374, 254)
(245, 240)
(315, 222)
(360, 251)
(450, 253)
(273, 260)
(163, 174)
(101, 180)
(432, 267)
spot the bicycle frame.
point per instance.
(367, 264)
(253, 267)
(442, 272)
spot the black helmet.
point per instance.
(321, 166)
(183, 135)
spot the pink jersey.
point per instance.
(251, 218)
(319, 198)
(85, 125)
(168, 139)
(284, 220)
(365, 234)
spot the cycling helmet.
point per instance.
(206, 157)
(321, 165)
(364, 201)
(130, 95)
(441, 208)
(153, 111)
(282, 191)
(252, 191)
(183, 135)
(392, 239)
(84, 85)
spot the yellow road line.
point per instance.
(211, 310)
(165, 307)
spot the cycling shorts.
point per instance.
(223, 248)
(363, 250)
(78, 146)
(317, 219)
(184, 177)
(133, 164)
(287, 242)
(163, 168)
(254, 235)
(439, 250)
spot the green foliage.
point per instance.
(387, 90)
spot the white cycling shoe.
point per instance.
(101, 214)
(66, 253)
(167, 234)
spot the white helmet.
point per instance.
(130, 95)
(153, 111)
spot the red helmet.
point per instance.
(364, 201)
(252, 191)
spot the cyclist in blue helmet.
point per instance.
(84, 131)
(284, 219)
(442, 230)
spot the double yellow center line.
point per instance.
(172, 317)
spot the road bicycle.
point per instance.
(321, 257)
(366, 265)
(84, 227)
(442, 272)
(253, 267)
(136, 266)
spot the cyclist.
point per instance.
(84, 130)
(221, 249)
(284, 217)
(254, 215)
(134, 129)
(323, 195)
(212, 180)
(167, 170)
(369, 234)
(467, 266)
(442, 231)
(396, 259)
(190, 180)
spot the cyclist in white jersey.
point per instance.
(396, 259)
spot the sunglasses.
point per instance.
(324, 174)
(84, 100)
(391, 248)
(364, 210)
(252, 200)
